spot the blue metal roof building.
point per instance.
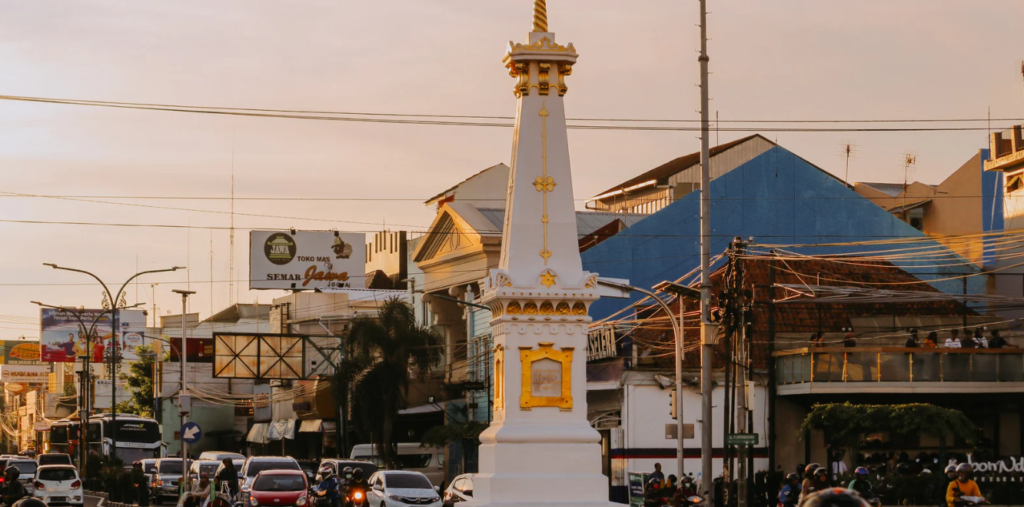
(776, 198)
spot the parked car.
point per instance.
(26, 472)
(411, 456)
(164, 483)
(460, 490)
(279, 488)
(221, 455)
(54, 458)
(340, 464)
(397, 488)
(58, 485)
(256, 464)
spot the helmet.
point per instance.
(964, 468)
(950, 469)
(903, 469)
(833, 497)
(30, 502)
(357, 474)
(861, 471)
(654, 483)
(792, 477)
(809, 469)
(347, 471)
(13, 472)
(926, 471)
(820, 471)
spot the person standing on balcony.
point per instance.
(850, 340)
(997, 342)
(931, 341)
(967, 342)
(912, 340)
(953, 342)
(979, 338)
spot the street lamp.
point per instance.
(677, 331)
(184, 401)
(113, 298)
(83, 406)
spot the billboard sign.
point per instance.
(103, 394)
(20, 352)
(62, 339)
(306, 260)
(23, 374)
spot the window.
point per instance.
(58, 474)
(407, 481)
(413, 460)
(259, 466)
(25, 468)
(170, 466)
(274, 482)
(1014, 183)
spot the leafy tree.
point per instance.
(383, 354)
(139, 382)
(844, 423)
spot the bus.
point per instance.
(138, 438)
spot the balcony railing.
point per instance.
(898, 364)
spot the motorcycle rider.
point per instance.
(963, 486)
(329, 485)
(861, 484)
(819, 482)
(357, 482)
(654, 497)
(808, 477)
(14, 490)
(790, 492)
(834, 497)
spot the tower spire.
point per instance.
(540, 16)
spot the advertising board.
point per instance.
(306, 260)
(23, 374)
(62, 338)
(103, 394)
(20, 352)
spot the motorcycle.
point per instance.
(320, 498)
(355, 496)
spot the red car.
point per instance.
(279, 488)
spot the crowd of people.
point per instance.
(660, 490)
(969, 340)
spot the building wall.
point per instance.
(646, 411)
(210, 417)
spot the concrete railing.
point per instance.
(898, 364)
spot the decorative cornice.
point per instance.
(544, 45)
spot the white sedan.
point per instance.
(59, 485)
(393, 488)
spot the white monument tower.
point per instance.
(540, 449)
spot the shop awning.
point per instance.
(282, 428)
(422, 409)
(311, 426)
(258, 433)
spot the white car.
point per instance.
(460, 490)
(59, 485)
(26, 472)
(394, 488)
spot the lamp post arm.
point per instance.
(136, 275)
(105, 288)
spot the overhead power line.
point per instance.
(504, 121)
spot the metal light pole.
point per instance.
(677, 331)
(113, 334)
(184, 402)
(707, 334)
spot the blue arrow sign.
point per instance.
(191, 432)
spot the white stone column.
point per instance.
(540, 448)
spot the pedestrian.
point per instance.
(850, 340)
(658, 474)
(931, 341)
(953, 342)
(226, 473)
(200, 492)
(997, 342)
(967, 342)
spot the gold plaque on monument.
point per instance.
(547, 378)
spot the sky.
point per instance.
(778, 60)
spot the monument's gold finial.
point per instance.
(540, 16)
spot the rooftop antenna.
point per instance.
(231, 240)
(909, 159)
(848, 149)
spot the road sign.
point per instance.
(191, 433)
(741, 439)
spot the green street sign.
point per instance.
(741, 439)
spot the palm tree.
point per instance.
(383, 353)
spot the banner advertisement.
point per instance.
(103, 394)
(306, 260)
(63, 340)
(24, 374)
(20, 352)
(200, 350)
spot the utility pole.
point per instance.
(708, 331)
(184, 401)
(741, 376)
